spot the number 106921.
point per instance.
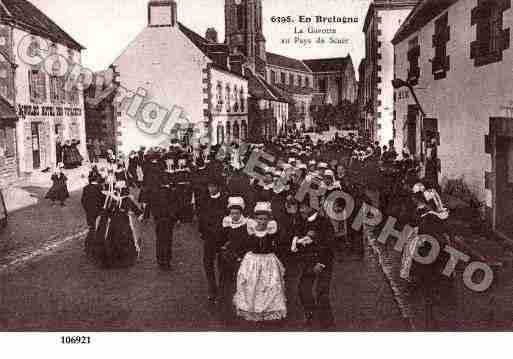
(75, 340)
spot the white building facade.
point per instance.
(180, 88)
(37, 108)
(381, 23)
(458, 60)
(47, 108)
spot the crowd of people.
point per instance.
(68, 154)
(253, 225)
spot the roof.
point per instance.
(214, 51)
(7, 111)
(25, 15)
(295, 89)
(423, 13)
(386, 5)
(328, 65)
(261, 89)
(286, 62)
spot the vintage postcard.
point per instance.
(255, 165)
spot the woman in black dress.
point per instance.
(59, 190)
(117, 230)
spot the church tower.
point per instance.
(244, 32)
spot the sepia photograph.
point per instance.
(260, 166)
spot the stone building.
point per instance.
(37, 108)
(455, 55)
(304, 82)
(381, 23)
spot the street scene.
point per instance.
(199, 182)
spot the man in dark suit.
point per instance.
(93, 201)
(211, 216)
(164, 213)
(313, 241)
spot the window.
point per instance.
(228, 96)
(413, 58)
(273, 77)
(244, 130)
(228, 132)
(236, 105)
(236, 132)
(307, 82)
(491, 38)
(73, 94)
(7, 141)
(220, 134)
(240, 16)
(219, 97)
(57, 90)
(242, 101)
(298, 83)
(323, 86)
(283, 78)
(291, 80)
(37, 86)
(440, 63)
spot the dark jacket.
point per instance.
(211, 216)
(320, 251)
(92, 199)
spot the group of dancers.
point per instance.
(254, 227)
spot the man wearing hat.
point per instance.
(92, 201)
(164, 212)
(211, 216)
(313, 242)
(183, 180)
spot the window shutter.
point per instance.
(43, 86)
(505, 39)
(31, 86)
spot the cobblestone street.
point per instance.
(48, 283)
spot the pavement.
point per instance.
(447, 304)
(49, 284)
(26, 191)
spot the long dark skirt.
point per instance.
(115, 242)
(58, 192)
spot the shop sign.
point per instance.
(41, 110)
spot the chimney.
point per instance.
(162, 13)
(211, 35)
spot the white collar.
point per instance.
(229, 223)
(272, 228)
(216, 196)
(313, 217)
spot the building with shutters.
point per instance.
(36, 108)
(381, 23)
(457, 56)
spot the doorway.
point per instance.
(504, 185)
(36, 145)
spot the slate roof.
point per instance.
(328, 65)
(422, 13)
(286, 62)
(216, 52)
(261, 89)
(25, 15)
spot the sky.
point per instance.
(106, 27)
